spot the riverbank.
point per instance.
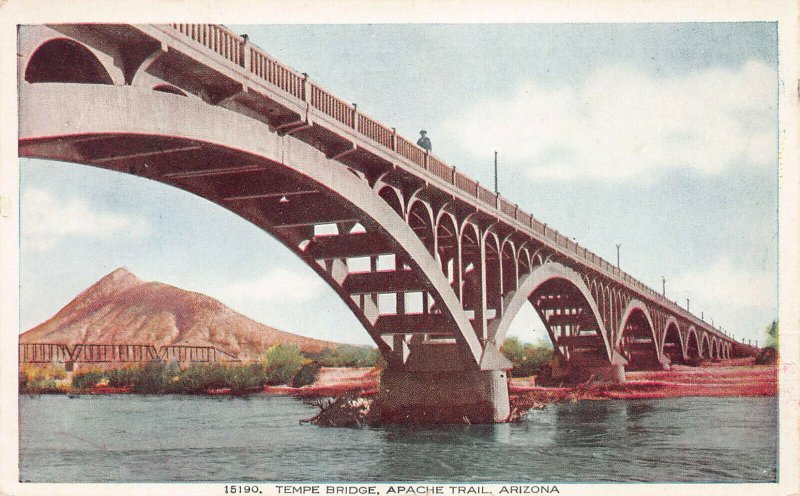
(731, 378)
(713, 379)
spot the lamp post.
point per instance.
(618, 245)
(496, 190)
(663, 286)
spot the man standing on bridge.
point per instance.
(424, 141)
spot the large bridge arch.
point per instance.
(637, 338)
(117, 114)
(528, 284)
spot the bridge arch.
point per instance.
(447, 247)
(523, 261)
(392, 197)
(168, 88)
(471, 270)
(536, 259)
(672, 342)
(492, 260)
(420, 218)
(509, 266)
(705, 346)
(62, 60)
(692, 344)
(127, 116)
(559, 282)
(636, 339)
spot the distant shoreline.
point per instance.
(714, 379)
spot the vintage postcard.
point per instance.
(399, 248)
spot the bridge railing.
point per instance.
(376, 131)
(234, 48)
(269, 69)
(333, 106)
(441, 169)
(410, 151)
(217, 38)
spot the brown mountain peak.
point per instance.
(122, 309)
(116, 281)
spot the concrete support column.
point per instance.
(480, 310)
(446, 397)
(607, 373)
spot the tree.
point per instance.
(282, 362)
(772, 335)
(526, 358)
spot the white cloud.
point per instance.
(620, 123)
(278, 285)
(739, 297)
(735, 285)
(48, 220)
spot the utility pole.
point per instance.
(496, 190)
(618, 245)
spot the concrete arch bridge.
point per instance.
(434, 265)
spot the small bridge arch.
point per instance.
(566, 306)
(673, 345)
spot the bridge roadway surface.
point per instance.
(434, 265)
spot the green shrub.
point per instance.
(347, 356)
(306, 375)
(772, 335)
(526, 358)
(151, 379)
(199, 379)
(42, 379)
(120, 377)
(45, 386)
(85, 380)
(244, 379)
(281, 363)
(23, 381)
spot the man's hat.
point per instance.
(423, 132)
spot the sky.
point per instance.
(659, 137)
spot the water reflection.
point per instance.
(589, 423)
(152, 439)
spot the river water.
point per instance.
(129, 438)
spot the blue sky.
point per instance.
(660, 137)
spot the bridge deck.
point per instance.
(303, 97)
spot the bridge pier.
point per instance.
(597, 373)
(607, 373)
(474, 396)
(596, 369)
(439, 385)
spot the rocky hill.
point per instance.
(122, 309)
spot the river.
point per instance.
(130, 438)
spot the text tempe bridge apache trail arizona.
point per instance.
(199, 108)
